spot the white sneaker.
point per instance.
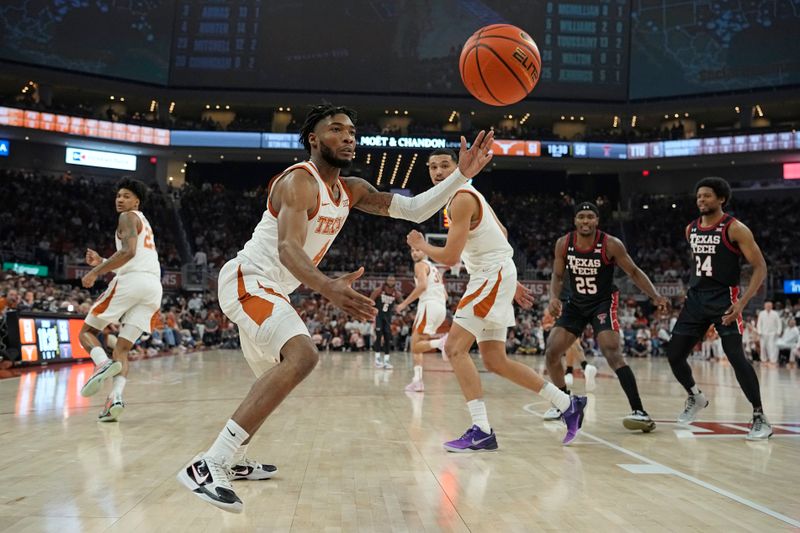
(208, 479)
(694, 404)
(639, 420)
(569, 379)
(590, 372)
(760, 428)
(552, 414)
(378, 363)
(252, 470)
(109, 369)
(386, 364)
(113, 409)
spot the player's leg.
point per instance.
(480, 436)
(379, 333)
(418, 342)
(690, 327)
(558, 342)
(576, 356)
(387, 343)
(114, 406)
(609, 343)
(105, 310)
(493, 351)
(731, 338)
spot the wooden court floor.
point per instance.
(356, 453)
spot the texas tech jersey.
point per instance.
(591, 273)
(716, 258)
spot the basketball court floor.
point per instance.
(356, 453)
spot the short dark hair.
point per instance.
(135, 186)
(319, 112)
(720, 187)
(444, 151)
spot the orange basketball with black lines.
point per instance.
(500, 64)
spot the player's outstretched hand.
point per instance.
(415, 239)
(89, 280)
(555, 307)
(341, 293)
(93, 258)
(523, 296)
(472, 161)
(663, 305)
(733, 313)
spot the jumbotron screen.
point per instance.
(394, 47)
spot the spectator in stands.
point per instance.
(788, 342)
(769, 327)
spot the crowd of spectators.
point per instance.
(76, 213)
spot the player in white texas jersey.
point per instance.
(431, 313)
(307, 205)
(476, 236)
(131, 299)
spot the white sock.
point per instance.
(229, 440)
(378, 356)
(436, 344)
(240, 454)
(119, 385)
(98, 355)
(695, 390)
(479, 417)
(385, 358)
(417, 373)
(557, 397)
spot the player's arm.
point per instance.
(128, 229)
(461, 210)
(298, 196)
(618, 253)
(421, 279)
(375, 293)
(557, 278)
(743, 237)
(424, 205)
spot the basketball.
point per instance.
(500, 64)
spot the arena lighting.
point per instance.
(676, 115)
(380, 170)
(645, 206)
(111, 97)
(737, 109)
(759, 110)
(222, 157)
(288, 109)
(562, 117)
(171, 107)
(581, 119)
(645, 173)
(615, 123)
(121, 98)
(208, 106)
(227, 107)
(686, 115)
(633, 121)
(405, 112)
(674, 206)
(216, 106)
(369, 157)
(572, 117)
(410, 168)
(396, 168)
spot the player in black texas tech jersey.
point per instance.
(385, 298)
(718, 242)
(590, 256)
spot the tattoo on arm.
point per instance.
(369, 199)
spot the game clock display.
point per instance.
(46, 339)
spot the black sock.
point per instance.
(758, 411)
(569, 370)
(678, 350)
(628, 382)
(583, 365)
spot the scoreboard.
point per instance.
(584, 48)
(46, 338)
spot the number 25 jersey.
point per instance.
(591, 272)
(715, 258)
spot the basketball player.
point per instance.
(486, 310)
(131, 299)
(431, 313)
(384, 297)
(718, 242)
(307, 205)
(590, 256)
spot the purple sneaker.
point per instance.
(474, 440)
(573, 417)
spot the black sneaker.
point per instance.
(209, 480)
